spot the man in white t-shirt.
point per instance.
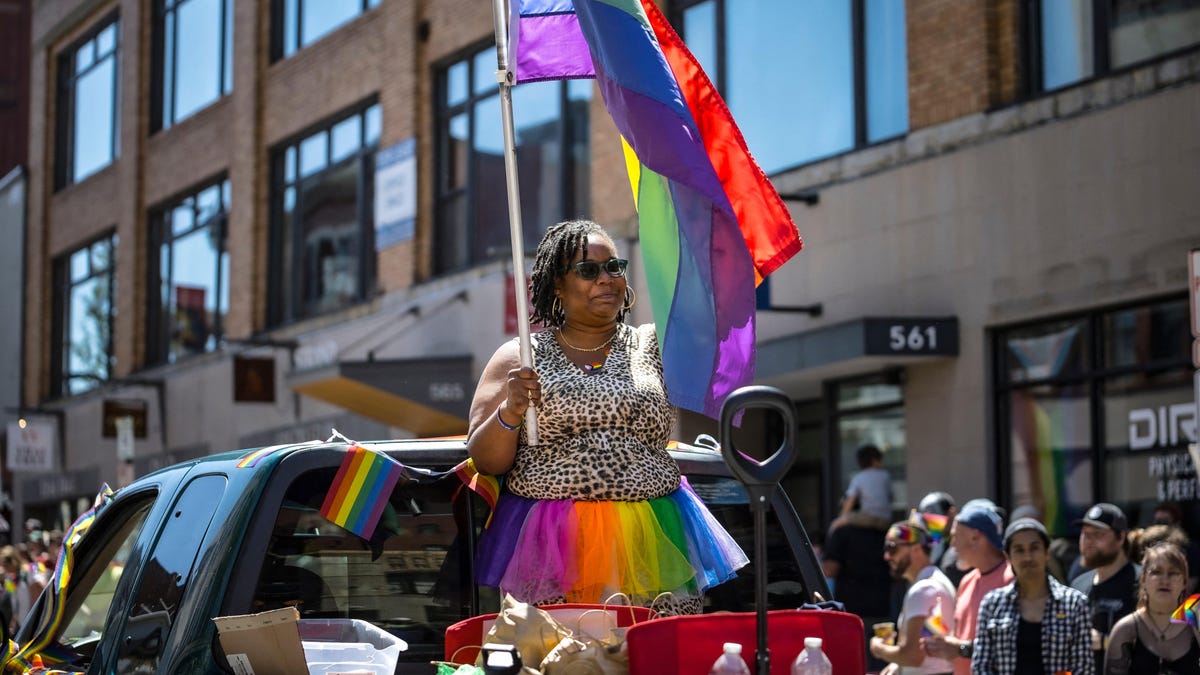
(870, 492)
(928, 605)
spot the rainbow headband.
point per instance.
(906, 533)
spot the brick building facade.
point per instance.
(995, 200)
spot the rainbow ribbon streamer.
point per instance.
(38, 655)
(1186, 613)
(481, 484)
(711, 224)
(360, 490)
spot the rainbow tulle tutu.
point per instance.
(585, 551)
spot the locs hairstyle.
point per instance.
(550, 262)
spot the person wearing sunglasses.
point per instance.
(597, 507)
(928, 604)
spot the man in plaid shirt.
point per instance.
(1034, 624)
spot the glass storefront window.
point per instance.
(1144, 335)
(1051, 461)
(870, 410)
(1053, 350)
(1098, 407)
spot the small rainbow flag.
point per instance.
(361, 489)
(934, 623)
(1186, 613)
(935, 524)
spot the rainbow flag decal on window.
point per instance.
(361, 489)
(711, 224)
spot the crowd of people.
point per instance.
(977, 590)
(26, 567)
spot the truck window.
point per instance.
(728, 501)
(94, 581)
(166, 574)
(411, 578)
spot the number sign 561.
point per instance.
(912, 338)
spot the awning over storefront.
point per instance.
(799, 363)
(427, 396)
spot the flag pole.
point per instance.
(505, 78)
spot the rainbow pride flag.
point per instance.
(1186, 613)
(361, 489)
(934, 523)
(934, 623)
(711, 224)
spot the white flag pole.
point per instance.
(505, 78)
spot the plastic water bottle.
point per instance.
(730, 662)
(812, 661)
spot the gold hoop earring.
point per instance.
(556, 309)
(630, 298)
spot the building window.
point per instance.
(323, 217)
(1075, 40)
(1097, 407)
(553, 158)
(299, 23)
(804, 80)
(868, 410)
(193, 42)
(190, 268)
(84, 317)
(88, 129)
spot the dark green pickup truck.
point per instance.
(240, 532)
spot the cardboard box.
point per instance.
(267, 643)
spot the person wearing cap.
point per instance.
(1110, 582)
(1034, 624)
(978, 538)
(930, 594)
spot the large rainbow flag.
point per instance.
(361, 489)
(711, 224)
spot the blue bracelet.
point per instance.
(506, 425)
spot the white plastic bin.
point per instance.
(349, 646)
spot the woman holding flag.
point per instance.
(1151, 640)
(597, 506)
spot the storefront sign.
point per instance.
(911, 337)
(58, 486)
(395, 194)
(1163, 427)
(1176, 477)
(31, 446)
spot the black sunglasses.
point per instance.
(588, 270)
(891, 546)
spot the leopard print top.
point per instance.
(603, 435)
